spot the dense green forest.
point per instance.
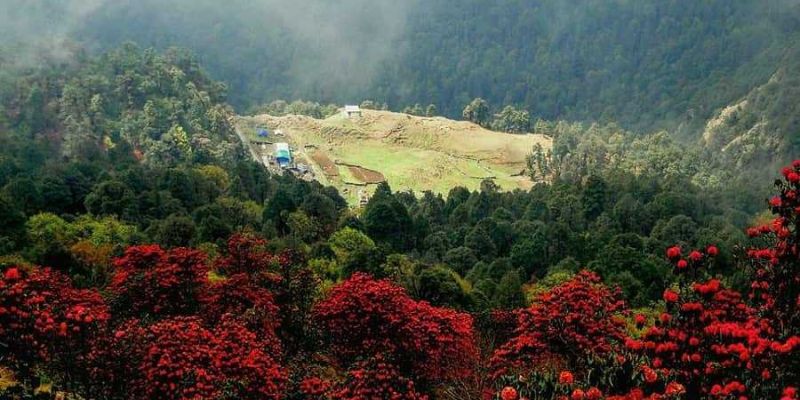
(645, 64)
(134, 147)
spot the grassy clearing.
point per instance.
(413, 153)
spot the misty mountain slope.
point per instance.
(264, 49)
(761, 128)
(646, 64)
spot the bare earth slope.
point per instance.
(412, 153)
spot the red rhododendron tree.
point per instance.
(149, 280)
(292, 284)
(721, 345)
(295, 288)
(248, 368)
(44, 319)
(179, 358)
(775, 258)
(376, 378)
(367, 319)
(246, 253)
(188, 338)
(241, 298)
(774, 264)
(707, 338)
(575, 331)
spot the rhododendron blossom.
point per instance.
(179, 358)
(246, 254)
(571, 325)
(239, 297)
(674, 252)
(376, 378)
(508, 393)
(150, 280)
(670, 296)
(566, 378)
(44, 318)
(363, 317)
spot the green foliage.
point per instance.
(140, 155)
(302, 227)
(508, 293)
(461, 259)
(431, 110)
(509, 119)
(300, 107)
(111, 198)
(48, 237)
(530, 254)
(441, 286)
(538, 163)
(387, 220)
(83, 246)
(415, 110)
(348, 242)
(11, 225)
(131, 104)
(174, 231)
(477, 111)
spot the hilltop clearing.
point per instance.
(411, 153)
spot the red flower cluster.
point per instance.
(315, 387)
(247, 364)
(179, 336)
(240, 297)
(247, 254)
(151, 281)
(709, 335)
(775, 264)
(508, 393)
(44, 318)
(711, 339)
(566, 378)
(376, 378)
(711, 342)
(574, 322)
(363, 318)
(734, 388)
(670, 296)
(178, 358)
(695, 258)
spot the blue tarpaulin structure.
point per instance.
(263, 133)
(283, 155)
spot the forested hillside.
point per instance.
(646, 64)
(646, 249)
(762, 126)
(138, 248)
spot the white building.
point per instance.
(352, 111)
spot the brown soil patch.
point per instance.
(366, 175)
(329, 168)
